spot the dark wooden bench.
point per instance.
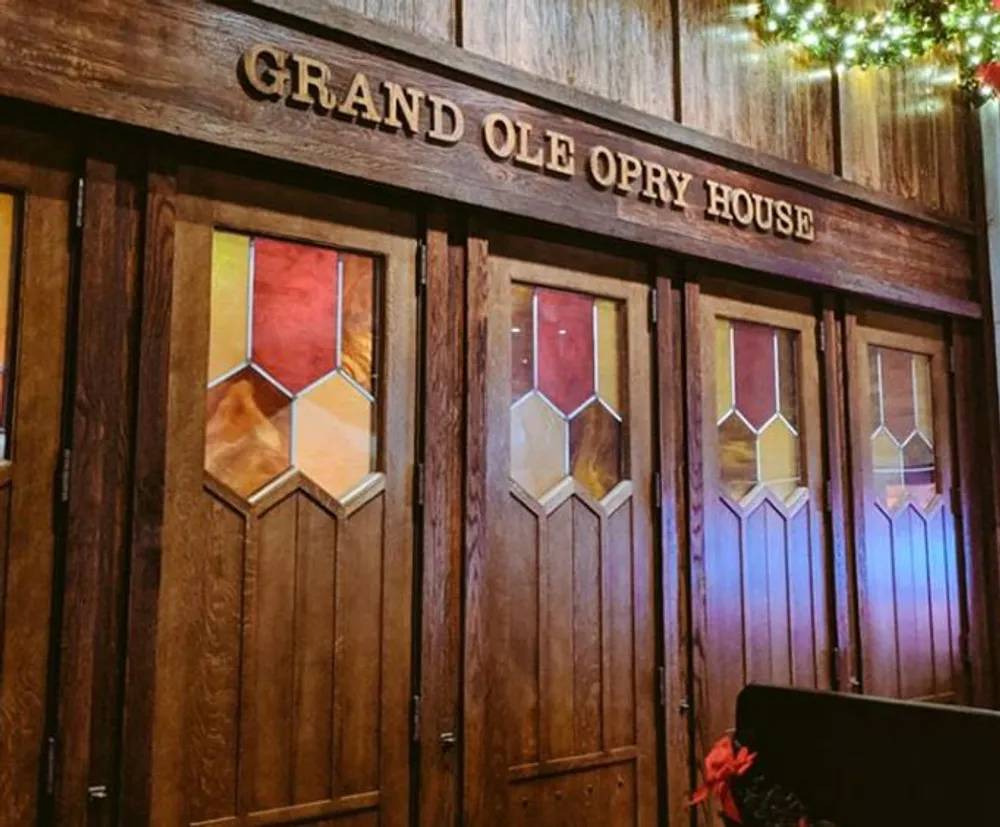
(869, 762)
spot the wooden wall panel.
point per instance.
(619, 49)
(430, 18)
(735, 89)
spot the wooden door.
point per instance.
(35, 188)
(760, 574)
(910, 618)
(566, 577)
(283, 644)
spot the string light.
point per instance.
(968, 30)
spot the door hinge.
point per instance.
(78, 203)
(821, 335)
(50, 765)
(416, 718)
(64, 474)
(661, 686)
(418, 484)
(654, 309)
(421, 264)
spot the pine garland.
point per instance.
(966, 31)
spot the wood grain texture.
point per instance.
(99, 489)
(760, 97)
(858, 249)
(149, 482)
(39, 168)
(444, 406)
(433, 19)
(616, 50)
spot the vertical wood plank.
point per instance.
(586, 619)
(434, 19)
(443, 416)
(734, 88)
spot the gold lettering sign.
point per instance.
(272, 74)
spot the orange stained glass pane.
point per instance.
(7, 214)
(887, 461)
(596, 449)
(522, 340)
(247, 432)
(788, 380)
(358, 322)
(227, 347)
(335, 435)
(723, 368)
(538, 440)
(610, 347)
(737, 457)
(924, 401)
(779, 459)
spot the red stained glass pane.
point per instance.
(294, 311)
(595, 445)
(358, 324)
(755, 392)
(247, 432)
(522, 341)
(565, 347)
(897, 392)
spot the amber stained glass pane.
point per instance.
(887, 460)
(610, 349)
(779, 458)
(334, 445)
(723, 368)
(294, 311)
(565, 347)
(754, 355)
(918, 470)
(538, 443)
(357, 336)
(228, 346)
(247, 432)
(595, 446)
(788, 381)
(737, 457)
(522, 340)
(875, 387)
(925, 408)
(7, 221)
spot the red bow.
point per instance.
(989, 73)
(721, 766)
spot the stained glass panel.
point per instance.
(723, 368)
(357, 336)
(737, 456)
(538, 443)
(610, 330)
(567, 390)
(228, 346)
(522, 340)
(247, 432)
(8, 216)
(903, 462)
(334, 434)
(754, 357)
(565, 347)
(307, 398)
(595, 449)
(779, 458)
(788, 381)
(294, 311)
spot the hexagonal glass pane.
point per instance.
(737, 457)
(294, 311)
(538, 438)
(565, 347)
(897, 392)
(595, 447)
(754, 358)
(357, 325)
(918, 470)
(335, 435)
(247, 432)
(723, 368)
(522, 340)
(610, 352)
(228, 343)
(779, 459)
(887, 464)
